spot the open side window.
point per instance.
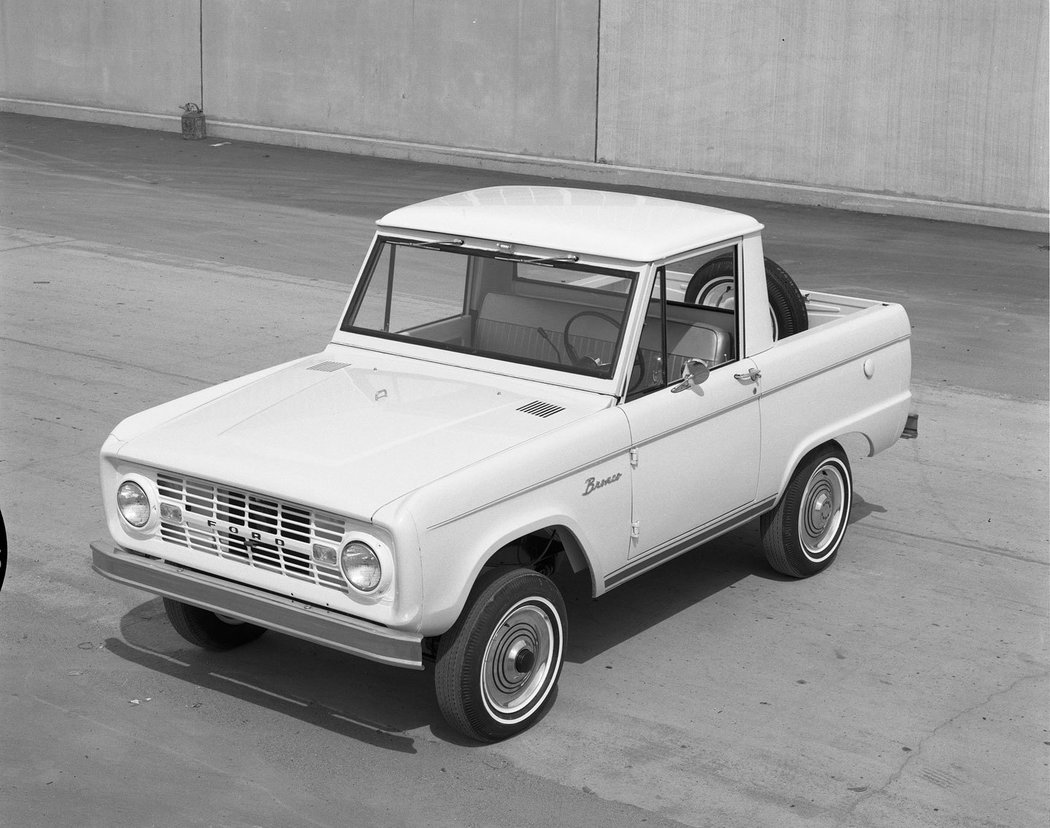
(704, 326)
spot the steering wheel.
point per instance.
(570, 351)
(637, 370)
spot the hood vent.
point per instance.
(539, 408)
(328, 366)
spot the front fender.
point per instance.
(464, 518)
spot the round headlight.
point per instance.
(133, 504)
(360, 566)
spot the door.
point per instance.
(695, 445)
(697, 459)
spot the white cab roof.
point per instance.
(590, 222)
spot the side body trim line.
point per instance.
(767, 390)
(676, 547)
(532, 487)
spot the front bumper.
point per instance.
(275, 612)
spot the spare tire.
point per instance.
(713, 285)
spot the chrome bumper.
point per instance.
(275, 612)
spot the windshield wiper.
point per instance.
(427, 245)
(570, 258)
(540, 260)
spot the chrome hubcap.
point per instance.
(518, 658)
(823, 511)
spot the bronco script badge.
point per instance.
(593, 483)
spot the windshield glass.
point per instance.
(550, 312)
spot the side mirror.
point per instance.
(695, 372)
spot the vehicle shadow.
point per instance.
(356, 698)
(861, 509)
(671, 588)
(378, 704)
(629, 610)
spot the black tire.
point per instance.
(802, 535)
(208, 630)
(712, 284)
(3, 551)
(785, 302)
(497, 668)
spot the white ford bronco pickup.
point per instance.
(523, 378)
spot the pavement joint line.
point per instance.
(108, 360)
(365, 723)
(31, 156)
(874, 531)
(148, 651)
(927, 388)
(55, 243)
(132, 184)
(188, 262)
(58, 461)
(259, 689)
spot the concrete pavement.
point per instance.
(905, 686)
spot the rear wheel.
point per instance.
(499, 664)
(802, 535)
(208, 630)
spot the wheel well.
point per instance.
(541, 550)
(800, 460)
(834, 442)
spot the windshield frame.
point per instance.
(604, 378)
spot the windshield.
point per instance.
(551, 312)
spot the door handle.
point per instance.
(752, 375)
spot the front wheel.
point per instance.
(802, 535)
(208, 630)
(499, 664)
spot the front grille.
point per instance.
(252, 529)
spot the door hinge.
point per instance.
(634, 458)
(634, 528)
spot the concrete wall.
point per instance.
(135, 55)
(515, 77)
(937, 108)
(940, 99)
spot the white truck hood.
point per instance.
(350, 438)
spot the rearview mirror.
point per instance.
(694, 372)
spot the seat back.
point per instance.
(512, 325)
